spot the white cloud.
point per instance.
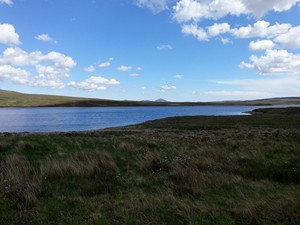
(195, 10)
(166, 87)
(177, 76)
(186, 10)
(13, 74)
(8, 2)
(134, 75)
(104, 64)
(218, 28)
(284, 33)
(84, 85)
(47, 70)
(204, 35)
(261, 45)
(154, 6)
(290, 39)
(225, 40)
(262, 29)
(45, 38)
(94, 83)
(260, 8)
(139, 68)
(19, 57)
(102, 80)
(89, 69)
(274, 62)
(8, 35)
(164, 47)
(195, 31)
(124, 68)
(42, 80)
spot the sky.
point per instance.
(178, 50)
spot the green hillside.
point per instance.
(16, 99)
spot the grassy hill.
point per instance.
(16, 99)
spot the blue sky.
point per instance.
(179, 50)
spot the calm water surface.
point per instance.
(85, 118)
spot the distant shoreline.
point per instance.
(16, 99)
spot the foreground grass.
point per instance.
(187, 170)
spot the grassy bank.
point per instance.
(187, 170)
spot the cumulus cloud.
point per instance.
(218, 28)
(195, 10)
(260, 8)
(284, 33)
(8, 35)
(274, 62)
(154, 6)
(19, 57)
(194, 30)
(104, 64)
(124, 68)
(290, 39)
(166, 87)
(94, 83)
(13, 74)
(205, 34)
(225, 40)
(89, 69)
(261, 45)
(261, 29)
(45, 38)
(164, 47)
(46, 70)
(139, 68)
(8, 2)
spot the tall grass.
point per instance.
(17, 179)
(79, 164)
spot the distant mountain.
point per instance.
(161, 100)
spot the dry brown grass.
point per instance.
(79, 164)
(127, 147)
(17, 179)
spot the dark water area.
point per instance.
(86, 118)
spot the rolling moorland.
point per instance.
(16, 99)
(184, 170)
